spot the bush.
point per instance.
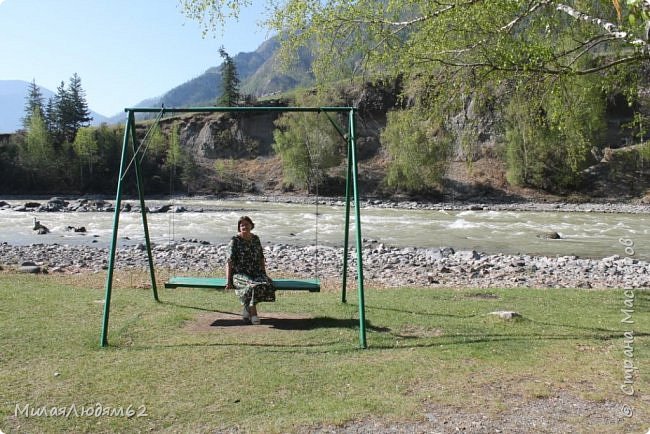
(549, 134)
(308, 145)
(418, 146)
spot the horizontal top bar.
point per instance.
(237, 109)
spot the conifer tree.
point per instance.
(69, 111)
(60, 114)
(80, 116)
(229, 81)
(33, 102)
(50, 115)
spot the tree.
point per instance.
(180, 164)
(229, 81)
(156, 143)
(173, 156)
(69, 110)
(213, 13)
(61, 114)
(418, 148)
(308, 145)
(36, 154)
(486, 35)
(549, 135)
(80, 114)
(50, 115)
(33, 102)
(85, 146)
(106, 168)
(174, 152)
(527, 52)
(190, 171)
(11, 172)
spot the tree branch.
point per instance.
(541, 70)
(609, 27)
(518, 18)
(407, 23)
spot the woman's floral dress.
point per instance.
(252, 285)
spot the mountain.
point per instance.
(13, 95)
(259, 73)
(12, 103)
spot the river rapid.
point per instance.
(586, 231)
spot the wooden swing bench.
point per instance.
(311, 285)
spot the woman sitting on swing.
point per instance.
(246, 270)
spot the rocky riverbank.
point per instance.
(383, 265)
(165, 205)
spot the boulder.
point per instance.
(467, 255)
(160, 209)
(506, 314)
(29, 267)
(76, 229)
(447, 251)
(551, 235)
(55, 204)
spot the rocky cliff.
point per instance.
(475, 173)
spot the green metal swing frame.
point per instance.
(312, 285)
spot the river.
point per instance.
(584, 234)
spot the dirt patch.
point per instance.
(265, 173)
(232, 322)
(560, 413)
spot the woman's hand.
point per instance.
(229, 284)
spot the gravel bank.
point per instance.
(383, 265)
(627, 207)
(58, 204)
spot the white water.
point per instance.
(583, 234)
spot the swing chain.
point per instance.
(314, 174)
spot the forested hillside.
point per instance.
(260, 72)
(255, 153)
(501, 99)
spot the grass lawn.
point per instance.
(188, 365)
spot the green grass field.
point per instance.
(175, 371)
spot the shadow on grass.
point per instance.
(488, 338)
(408, 340)
(415, 341)
(326, 347)
(415, 312)
(285, 323)
(185, 306)
(524, 319)
(321, 322)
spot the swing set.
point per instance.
(137, 151)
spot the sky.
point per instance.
(124, 51)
